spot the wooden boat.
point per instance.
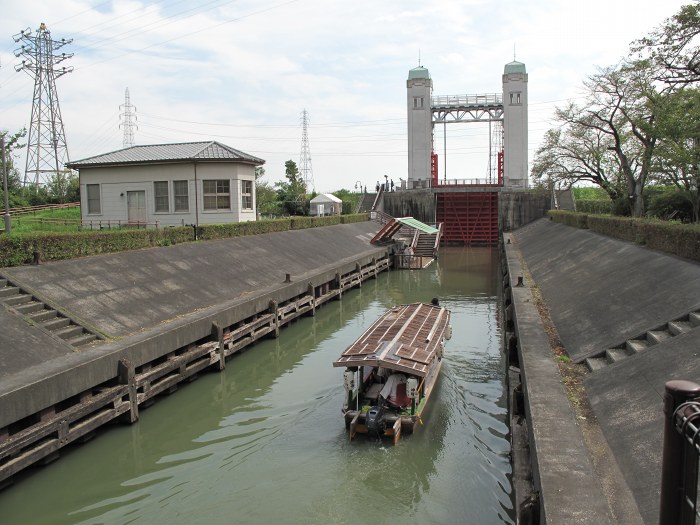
(391, 369)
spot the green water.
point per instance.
(264, 441)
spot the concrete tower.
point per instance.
(515, 172)
(420, 125)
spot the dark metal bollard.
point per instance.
(672, 504)
(37, 257)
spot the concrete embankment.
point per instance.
(161, 316)
(632, 316)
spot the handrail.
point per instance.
(93, 224)
(24, 210)
(681, 453)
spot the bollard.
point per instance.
(287, 277)
(520, 281)
(37, 257)
(671, 503)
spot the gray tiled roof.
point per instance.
(201, 151)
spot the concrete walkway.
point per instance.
(600, 293)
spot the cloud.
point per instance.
(242, 71)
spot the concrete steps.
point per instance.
(425, 245)
(43, 316)
(648, 340)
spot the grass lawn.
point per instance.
(61, 220)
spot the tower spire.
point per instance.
(47, 152)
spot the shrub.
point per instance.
(670, 205)
(18, 249)
(570, 218)
(208, 232)
(594, 206)
(678, 239)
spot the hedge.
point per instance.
(570, 218)
(594, 206)
(239, 229)
(682, 240)
(18, 249)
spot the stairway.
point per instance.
(425, 245)
(43, 316)
(563, 200)
(691, 321)
(468, 217)
(366, 203)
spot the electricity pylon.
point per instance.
(305, 169)
(47, 152)
(129, 122)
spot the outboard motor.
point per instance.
(375, 419)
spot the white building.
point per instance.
(325, 204)
(420, 125)
(515, 173)
(169, 184)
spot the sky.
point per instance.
(242, 72)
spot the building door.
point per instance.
(321, 210)
(136, 202)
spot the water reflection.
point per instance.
(264, 441)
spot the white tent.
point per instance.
(326, 204)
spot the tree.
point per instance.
(63, 187)
(678, 153)
(669, 50)
(292, 194)
(266, 199)
(14, 180)
(610, 139)
(577, 152)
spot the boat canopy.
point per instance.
(405, 338)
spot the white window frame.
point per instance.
(92, 198)
(181, 197)
(221, 194)
(159, 199)
(246, 194)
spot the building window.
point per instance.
(515, 98)
(417, 102)
(217, 194)
(247, 194)
(93, 199)
(160, 190)
(182, 196)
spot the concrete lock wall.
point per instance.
(516, 209)
(419, 204)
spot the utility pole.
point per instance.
(47, 152)
(128, 113)
(305, 168)
(8, 221)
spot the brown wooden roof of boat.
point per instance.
(404, 338)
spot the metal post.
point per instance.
(8, 221)
(670, 507)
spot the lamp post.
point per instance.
(8, 221)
